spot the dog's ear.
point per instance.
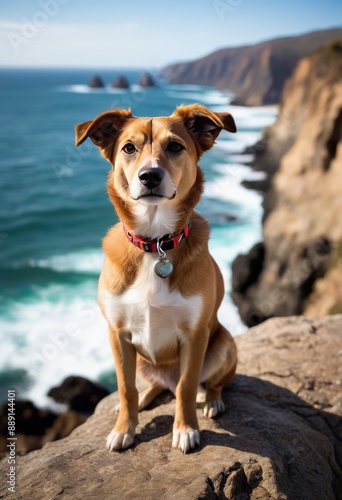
(204, 125)
(103, 130)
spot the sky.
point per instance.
(146, 33)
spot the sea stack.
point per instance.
(121, 82)
(146, 81)
(96, 82)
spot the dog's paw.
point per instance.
(213, 408)
(185, 440)
(119, 441)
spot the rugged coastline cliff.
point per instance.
(255, 74)
(298, 267)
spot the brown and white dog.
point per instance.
(160, 289)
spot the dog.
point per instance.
(159, 288)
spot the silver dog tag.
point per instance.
(163, 268)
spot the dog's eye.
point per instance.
(174, 147)
(129, 148)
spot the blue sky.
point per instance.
(147, 33)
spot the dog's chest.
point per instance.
(154, 317)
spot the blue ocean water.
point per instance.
(54, 212)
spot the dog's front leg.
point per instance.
(185, 428)
(122, 436)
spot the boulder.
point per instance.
(29, 418)
(34, 426)
(246, 268)
(121, 82)
(96, 82)
(79, 393)
(147, 81)
(279, 439)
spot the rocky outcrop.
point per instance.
(301, 271)
(35, 427)
(121, 82)
(147, 80)
(81, 394)
(255, 73)
(96, 82)
(280, 437)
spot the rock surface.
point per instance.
(302, 229)
(280, 437)
(255, 73)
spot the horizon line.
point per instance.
(164, 65)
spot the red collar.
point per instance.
(167, 242)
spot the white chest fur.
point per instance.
(153, 317)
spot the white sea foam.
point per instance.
(82, 88)
(233, 146)
(226, 188)
(194, 93)
(212, 97)
(238, 171)
(87, 261)
(184, 88)
(238, 142)
(51, 340)
(245, 111)
(238, 158)
(250, 118)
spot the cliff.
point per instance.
(280, 437)
(298, 267)
(255, 73)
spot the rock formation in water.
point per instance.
(96, 82)
(147, 81)
(121, 82)
(255, 73)
(298, 267)
(279, 439)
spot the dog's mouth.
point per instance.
(152, 196)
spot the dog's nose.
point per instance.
(151, 177)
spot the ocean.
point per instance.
(55, 210)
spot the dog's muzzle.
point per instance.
(151, 178)
(151, 185)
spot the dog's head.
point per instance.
(155, 159)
